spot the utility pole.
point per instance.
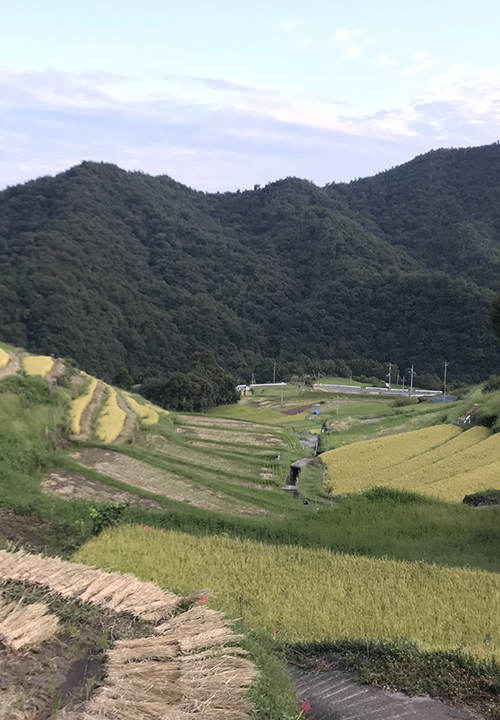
(446, 363)
(274, 372)
(389, 373)
(253, 379)
(404, 383)
(411, 385)
(397, 380)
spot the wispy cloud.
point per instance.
(344, 38)
(245, 135)
(421, 63)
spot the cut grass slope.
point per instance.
(312, 594)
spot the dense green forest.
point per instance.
(120, 269)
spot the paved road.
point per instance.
(335, 695)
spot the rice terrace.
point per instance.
(161, 564)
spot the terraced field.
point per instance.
(441, 462)
(249, 439)
(37, 365)
(139, 474)
(313, 594)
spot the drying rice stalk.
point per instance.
(199, 628)
(113, 591)
(22, 625)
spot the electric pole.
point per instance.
(403, 383)
(389, 373)
(274, 372)
(253, 379)
(397, 380)
(446, 363)
(411, 378)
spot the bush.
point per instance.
(492, 384)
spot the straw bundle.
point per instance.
(199, 628)
(22, 625)
(120, 593)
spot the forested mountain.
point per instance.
(118, 268)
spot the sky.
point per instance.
(224, 95)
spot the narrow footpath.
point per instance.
(335, 695)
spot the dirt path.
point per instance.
(56, 371)
(86, 418)
(335, 695)
(12, 366)
(130, 421)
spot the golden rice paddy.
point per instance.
(301, 594)
(37, 365)
(111, 420)
(79, 404)
(147, 413)
(440, 462)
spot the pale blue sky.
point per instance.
(223, 95)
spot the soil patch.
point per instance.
(55, 372)
(161, 482)
(60, 671)
(297, 410)
(33, 534)
(73, 486)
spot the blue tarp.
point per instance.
(316, 412)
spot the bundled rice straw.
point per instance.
(199, 628)
(22, 625)
(182, 672)
(121, 593)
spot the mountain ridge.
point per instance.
(120, 268)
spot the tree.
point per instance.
(203, 385)
(123, 379)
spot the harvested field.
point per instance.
(297, 410)
(220, 422)
(228, 436)
(160, 444)
(236, 453)
(161, 482)
(184, 670)
(72, 486)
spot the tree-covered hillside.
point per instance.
(122, 269)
